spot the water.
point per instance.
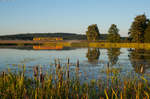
(93, 61)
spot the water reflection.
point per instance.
(37, 47)
(113, 54)
(93, 55)
(48, 47)
(140, 60)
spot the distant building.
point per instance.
(47, 38)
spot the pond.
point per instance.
(93, 62)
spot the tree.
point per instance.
(147, 33)
(113, 35)
(137, 30)
(93, 33)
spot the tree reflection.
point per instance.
(113, 54)
(140, 59)
(93, 55)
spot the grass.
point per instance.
(59, 85)
(100, 44)
(77, 43)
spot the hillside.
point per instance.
(65, 36)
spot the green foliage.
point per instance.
(137, 29)
(147, 33)
(113, 35)
(93, 33)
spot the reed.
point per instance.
(60, 85)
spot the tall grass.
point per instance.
(60, 85)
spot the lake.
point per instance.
(93, 62)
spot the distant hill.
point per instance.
(65, 36)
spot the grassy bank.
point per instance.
(99, 45)
(59, 85)
(76, 43)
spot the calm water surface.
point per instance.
(93, 61)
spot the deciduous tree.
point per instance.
(113, 35)
(147, 33)
(93, 33)
(137, 30)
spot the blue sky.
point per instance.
(74, 16)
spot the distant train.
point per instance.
(47, 38)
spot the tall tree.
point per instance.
(147, 33)
(93, 33)
(113, 34)
(137, 30)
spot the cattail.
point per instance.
(58, 66)
(55, 63)
(108, 65)
(67, 70)
(3, 74)
(68, 60)
(77, 63)
(36, 71)
(40, 70)
(41, 75)
(67, 73)
(141, 69)
(108, 68)
(77, 68)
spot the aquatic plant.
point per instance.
(43, 85)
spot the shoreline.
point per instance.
(75, 43)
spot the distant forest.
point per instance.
(65, 36)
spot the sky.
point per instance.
(69, 16)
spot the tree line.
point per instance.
(139, 31)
